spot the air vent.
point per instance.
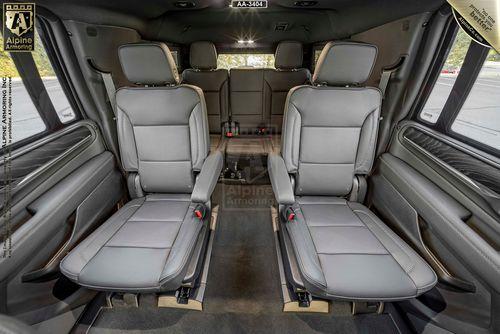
(305, 3)
(184, 4)
(281, 26)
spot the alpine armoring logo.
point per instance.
(19, 26)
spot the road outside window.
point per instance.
(229, 61)
(52, 84)
(479, 118)
(26, 120)
(442, 89)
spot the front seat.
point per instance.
(341, 249)
(148, 245)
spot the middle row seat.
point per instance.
(154, 242)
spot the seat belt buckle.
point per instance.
(290, 214)
(200, 211)
(230, 129)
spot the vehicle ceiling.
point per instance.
(214, 20)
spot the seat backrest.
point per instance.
(246, 93)
(214, 82)
(162, 125)
(330, 127)
(287, 74)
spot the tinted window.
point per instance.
(52, 84)
(444, 84)
(479, 117)
(26, 120)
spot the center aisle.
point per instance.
(244, 276)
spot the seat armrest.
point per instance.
(207, 179)
(280, 180)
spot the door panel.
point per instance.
(440, 194)
(62, 187)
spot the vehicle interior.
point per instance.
(312, 166)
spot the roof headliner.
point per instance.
(214, 20)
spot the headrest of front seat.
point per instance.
(288, 55)
(203, 56)
(148, 64)
(344, 63)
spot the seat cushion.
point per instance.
(145, 246)
(344, 251)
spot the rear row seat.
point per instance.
(254, 98)
(214, 83)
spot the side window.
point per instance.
(479, 117)
(229, 61)
(51, 83)
(317, 53)
(175, 51)
(447, 77)
(31, 114)
(464, 101)
(26, 120)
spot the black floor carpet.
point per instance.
(243, 291)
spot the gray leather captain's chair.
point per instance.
(149, 244)
(340, 248)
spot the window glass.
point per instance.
(444, 84)
(479, 118)
(26, 120)
(51, 83)
(175, 55)
(229, 61)
(317, 53)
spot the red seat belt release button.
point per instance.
(290, 214)
(199, 211)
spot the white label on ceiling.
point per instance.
(248, 4)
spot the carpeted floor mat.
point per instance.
(243, 290)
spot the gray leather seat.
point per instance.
(149, 244)
(213, 82)
(258, 99)
(247, 98)
(341, 249)
(287, 74)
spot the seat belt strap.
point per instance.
(384, 81)
(110, 90)
(386, 75)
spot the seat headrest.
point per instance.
(288, 55)
(148, 63)
(203, 56)
(345, 63)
